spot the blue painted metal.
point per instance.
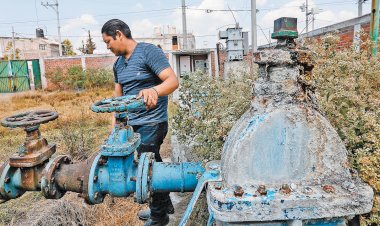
(121, 142)
(142, 179)
(326, 222)
(175, 177)
(111, 175)
(119, 104)
(211, 219)
(212, 173)
(10, 183)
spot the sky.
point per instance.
(79, 16)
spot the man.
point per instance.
(142, 69)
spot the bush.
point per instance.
(96, 78)
(57, 78)
(208, 108)
(349, 92)
(75, 78)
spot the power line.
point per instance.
(268, 9)
(99, 15)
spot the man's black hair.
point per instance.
(110, 27)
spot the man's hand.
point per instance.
(150, 97)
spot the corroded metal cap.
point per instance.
(285, 28)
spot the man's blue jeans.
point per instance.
(152, 136)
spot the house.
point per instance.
(28, 48)
(168, 41)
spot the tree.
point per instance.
(8, 54)
(90, 45)
(68, 48)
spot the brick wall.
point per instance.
(56, 66)
(100, 62)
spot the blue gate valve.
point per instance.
(117, 171)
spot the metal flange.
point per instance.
(94, 195)
(143, 177)
(9, 180)
(49, 187)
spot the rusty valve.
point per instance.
(35, 149)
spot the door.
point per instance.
(20, 75)
(37, 74)
(184, 65)
(5, 78)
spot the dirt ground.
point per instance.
(76, 123)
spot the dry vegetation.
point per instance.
(77, 132)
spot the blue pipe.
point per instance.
(175, 177)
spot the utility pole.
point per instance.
(360, 7)
(13, 44)
(313, 12)
(55, 8)
(307, 16)
(253, 26)
(374, 26)
(184, 26)
(305, 8)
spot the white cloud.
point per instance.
(142, 28)
(78, 23)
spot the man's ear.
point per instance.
(119, 35)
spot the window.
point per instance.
(42, 46)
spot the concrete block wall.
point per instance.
(247, 59)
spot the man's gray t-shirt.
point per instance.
(140, 72)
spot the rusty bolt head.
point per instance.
(7, 179)
(328, 188)
(218, 186)
(262, 190)
(132, 179)
(238, 191)
(95, 178)
(285, 189)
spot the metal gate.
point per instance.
(5, 78)
(36, 74)
(20, 75)
(14, 76)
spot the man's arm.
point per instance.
(168, 85)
